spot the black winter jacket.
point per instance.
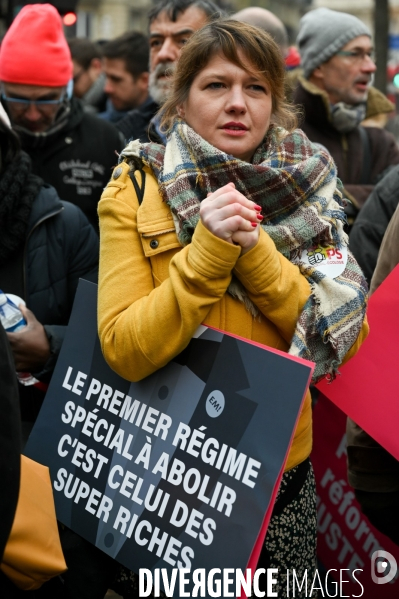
(61, 247)
(136, 123)
(78, 159)
(10, 442)
(370, 226)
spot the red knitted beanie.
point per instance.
(34, 50)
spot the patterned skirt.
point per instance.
(290, 542)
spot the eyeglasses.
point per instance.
(357, 55)
(22, 104)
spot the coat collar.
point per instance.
(46, 204)
(315, 102)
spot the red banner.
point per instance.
(367, 389)
(346, 539)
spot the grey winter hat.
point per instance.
(322, 33)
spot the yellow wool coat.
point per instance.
(153, 294)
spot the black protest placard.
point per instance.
(179, 469)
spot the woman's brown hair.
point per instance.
(229, 37)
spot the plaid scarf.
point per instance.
(295, 183)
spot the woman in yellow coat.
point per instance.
(239, 210)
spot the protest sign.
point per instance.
(367, 388)
(346, 539)
(179, 469)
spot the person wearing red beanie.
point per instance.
(77, 150)
(37, 26)
(35, 64)
(74, 152)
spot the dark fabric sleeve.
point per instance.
(388, 257)
(134, 126)
(358, 193)
(10, 440)
(371, 469)
(119, 141)
(370, 226)
(392, 149)
(136, 123)
(81, 250)
(384, 157)
(55, 335)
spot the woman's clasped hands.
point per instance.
(229, 215)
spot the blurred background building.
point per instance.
(103, 19)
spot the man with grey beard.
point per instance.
(171, 23)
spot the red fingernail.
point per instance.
(258, 208)
(259, 217)
(254, 224)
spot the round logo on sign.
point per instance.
(329, 260)
(215, 404)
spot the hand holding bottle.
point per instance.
(30, 345)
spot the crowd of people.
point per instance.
(255, 151)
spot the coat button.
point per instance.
(68, 140)
(154, 243)
(117, 172)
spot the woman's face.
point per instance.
(229, 107)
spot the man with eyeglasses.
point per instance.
(338, 67)
(71, 150)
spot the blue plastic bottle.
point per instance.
(12, 320)
(10, 315)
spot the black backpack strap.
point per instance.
(366, 164)
(140, 189)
